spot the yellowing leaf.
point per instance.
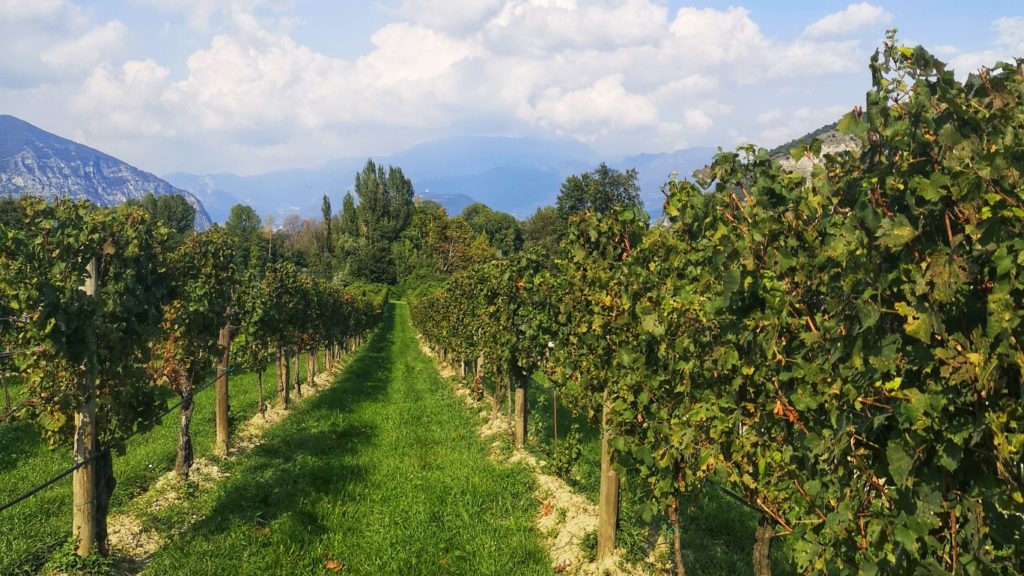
(895, 232)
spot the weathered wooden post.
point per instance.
(284, 378)
(521, 382)
(763, 547)
(83, 483)
(224, 340)
(608, 502)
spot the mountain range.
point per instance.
(514, 175)
(36, 162)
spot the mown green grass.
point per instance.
(31, 532)
(382, 473)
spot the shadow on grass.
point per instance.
(275, 488)
(20, 440)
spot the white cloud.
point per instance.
(265, 86)
(686, 87)
(707, 38)
(712, 36)
(855, 18)
(803, 58)
(202, 14)
(697, 120)
(448, 15)
(129, 99)
(1010, 33)
(625, 75)
(20, 11)
(52, 40)
(605, 104)
(88, 49)
(410, 53)
(539, 27)
(783, 127)
(769, 116)
(1009, 44)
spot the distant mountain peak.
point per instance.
(38, 163)
(511, 174)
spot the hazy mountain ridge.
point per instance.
(36, 162)
(514, 175)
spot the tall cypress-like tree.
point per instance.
(349, 224)
(325, 208)
(385, 210)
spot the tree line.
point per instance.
(385, 234)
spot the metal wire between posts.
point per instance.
(11, 353)
(71, 469)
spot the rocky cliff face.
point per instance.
(832, 142)
(36, 162)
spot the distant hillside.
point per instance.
(514, 175)
(280, 193)
(36, 162)
(832, 142)
(453, 204)
(783, 149)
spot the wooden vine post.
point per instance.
(608, 503)
(763, 547)
(283, 377)
(520, 382)
(222, 391)
(310, 366)
(83, 484)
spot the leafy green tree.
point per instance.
(601, 190)
(349, 220)
(410, 253)
(437, 245)
(172, 210)
(503, 231)
(454, 247)
(545, 229)
(244, 227)
(385, 202)
(384, 211)
(328, 236)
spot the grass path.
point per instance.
(381, 474)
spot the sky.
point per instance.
(248, 86)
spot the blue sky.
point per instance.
(252, 85)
